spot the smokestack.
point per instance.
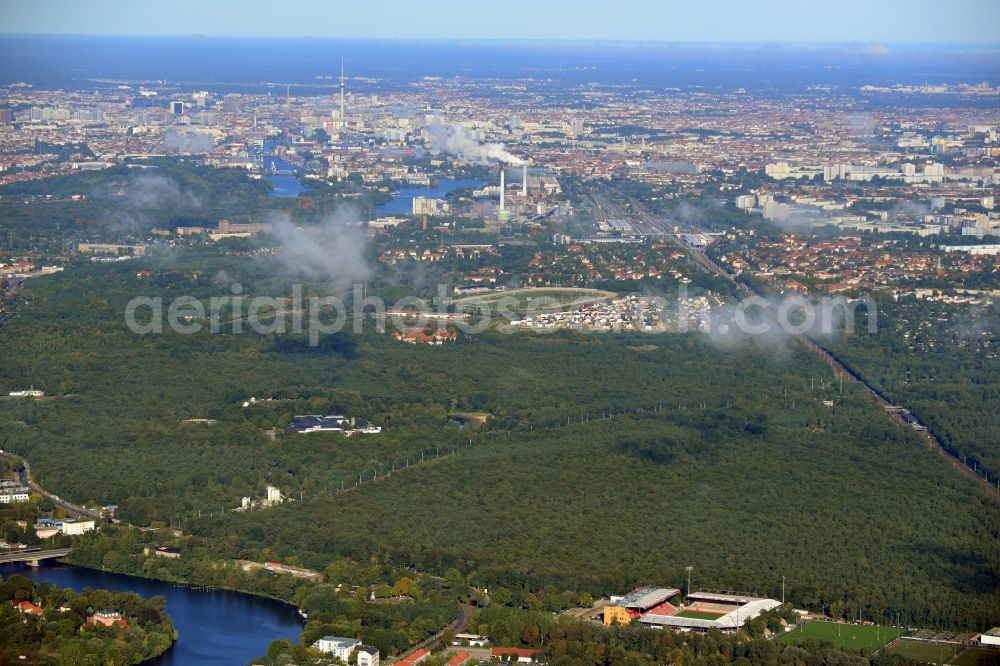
(524, 181)
(503, 184)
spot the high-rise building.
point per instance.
(177, 108)
(343, 106)
(257, 151)
(6, 116)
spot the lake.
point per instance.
(213, 626)
(402, 200)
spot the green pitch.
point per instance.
(928, 653)
(848, 636)
(700, 615)
(978, 657)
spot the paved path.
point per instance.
(24, 473)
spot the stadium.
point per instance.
(652, 607)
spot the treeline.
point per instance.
(383, 604)
(571, 643)
(62, 634)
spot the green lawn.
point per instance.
(978, 657)
(701, 615)
(929, 653)
(848, 636)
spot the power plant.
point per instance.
(503, 185)
(503, 213)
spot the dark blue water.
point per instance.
(213, 626)
(285, 185)
(402, 201)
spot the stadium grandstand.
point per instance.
(625, 609)
(644, 598)
(708, 610)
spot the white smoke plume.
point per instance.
(188, 142)
(456, 140)
(144, 198)
(332, 252)
(153, 191)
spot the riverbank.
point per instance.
(214, 626)
(401, 202)
(60, 623)
(68, 561)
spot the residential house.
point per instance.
(28, 608)
(337, 646)
(415, 657)
(367, 655)
(520, 655)
(108, 618)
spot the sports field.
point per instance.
(924, 651)
(533, 299)
(700, 615)
(848, 636)
(978, 657)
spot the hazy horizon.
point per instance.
(968, 22)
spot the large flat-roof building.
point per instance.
(991, 637)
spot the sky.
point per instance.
(752, 21)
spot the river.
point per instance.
(213, 626)
(285, 184)
(402, 200)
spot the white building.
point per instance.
(782, 170)
(337, 646)
(991, 637)
(428, 206)
(367, 655)
(273, 495)
(472, 640)
(73, 527)
(68, 526)
(18, 496)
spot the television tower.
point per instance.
(343, 119)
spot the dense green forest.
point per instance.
(942, 363)
(607, 461)
(62, 634)
(605, 505)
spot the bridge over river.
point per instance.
(33, 555)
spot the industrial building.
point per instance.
(111, 249)
(333, 423)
